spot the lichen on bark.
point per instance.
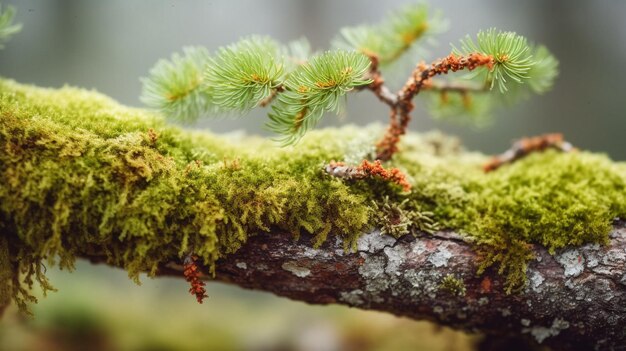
(83, 174)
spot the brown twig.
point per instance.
(423, 73)
(526, 146)
(377, 86)
(401, 103)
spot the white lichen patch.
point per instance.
(353, 298)
(419, 247)
(438, 310)
(374, 242)
(339, 243)
(592, 256)
(505, 312)
(525, 322)
(542, 333)
(572, 261)
(241, 265)
(373, 272)
(536, 279)
(440, 257)
(570, 284)
(603, 286)
(483, 301)
(395, 257)
(614, 257)
(423, 282)
(295, 269)
(310, 252)
(592, 261)
(373, 267)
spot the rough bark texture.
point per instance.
(575, 300)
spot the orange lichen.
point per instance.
(485, 285)
(423, 73)
(192, 275)
(368, 169)
(394, 175)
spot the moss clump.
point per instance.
(551, 199)
(452, 285)
(400, 217)
(83, 175)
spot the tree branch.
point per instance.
(575, 300)
(118, 185)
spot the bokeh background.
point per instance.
(108, 45)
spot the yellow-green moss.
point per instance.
(82, 174)
(452, 285)
(398, 217)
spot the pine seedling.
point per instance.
(300, 87)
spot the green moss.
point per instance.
(399, 217)
(452, 285)
(83, 175)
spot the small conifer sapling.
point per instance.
(299, 86)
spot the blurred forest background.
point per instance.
(108, 45)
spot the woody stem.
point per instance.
(421, 78)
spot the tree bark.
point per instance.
(575, 299)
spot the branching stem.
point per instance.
(401, 103)
(526, 146)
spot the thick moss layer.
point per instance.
(82, 174)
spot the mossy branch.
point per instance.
(83, 176)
